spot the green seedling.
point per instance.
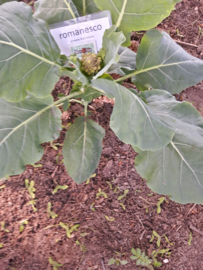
(1, 245)
(92, 208)
(92, 176)
(54, 264)
(161, 200)
(137, 191)
(51, 214)
(57, 158)
(116, 190)
(167, 240)
(124, 195)
(36, 165)
(33, 203)
(54, 145)
(109, 218)
(82, 247)
(101, 193)
(59, 187)
(22, 223)
(178, 33)
(155, 253)
(69, 229)
(3, 227)
(155, 234)
(110, 185)
(190, 239)
(3, 186)
(117, 261)
(122, 205)
(30, 187)
(141, 258)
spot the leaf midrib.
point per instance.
(70, 9)
(29, 53)
(121, 14)
(137, 72)
(185, 161)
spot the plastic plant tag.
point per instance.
(81, 35)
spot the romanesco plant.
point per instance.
(90, 63)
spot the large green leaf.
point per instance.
(126, 61)
(53, 11)
(132, 120)
(162, 64)
(176, 170)
(111, 44)
(86, 6)
(82, 148)
(28, 54)
(23, 127)
(136, 15)
(5, 1)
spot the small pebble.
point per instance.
(166, 261)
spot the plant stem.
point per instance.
(84, 7)
(85, 111)
(75, 100)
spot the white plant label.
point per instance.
(81, 37)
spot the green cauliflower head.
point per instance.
(90, 63)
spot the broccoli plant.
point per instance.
(166, 134)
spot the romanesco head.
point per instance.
(90, 63)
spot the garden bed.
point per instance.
(108, 226)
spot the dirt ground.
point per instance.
(107, 227)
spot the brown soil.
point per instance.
(100, 239)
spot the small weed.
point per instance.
(155, 253)
(101, 193)
(137, 191)
(82, 247)
(69, 229)
(92, 208)
(1, 245)
(57, 158)
(161, 200)
(141, 258)
(22, 223)
(3, 227)
(33, 203)
(36, 165)
(124, 195)
(59, 187)
(54, 145)
(3, 186)
(155, 234)
(117, 261)
(54, 264)
(51, 214)
(166, 238)
(122, 205)
(116, 190)
(190, 239)
(178, 33)
(30, 187)
(110, 185)
(92, 176)
(109, 218)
